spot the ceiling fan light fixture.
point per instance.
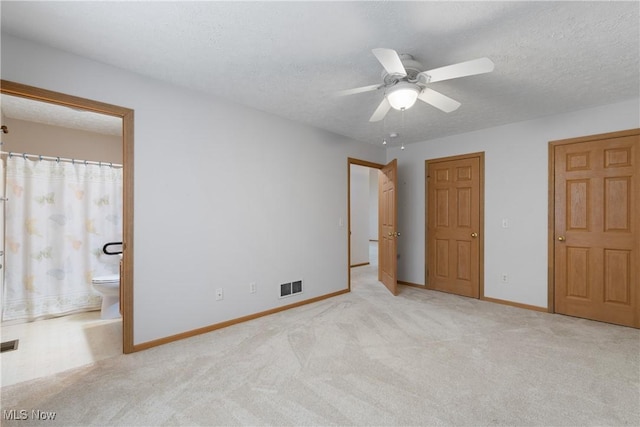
(402, 95)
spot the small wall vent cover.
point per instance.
(296, 287)
(285, 290)
(9, 346)
(290, 288)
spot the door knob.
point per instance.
(474, 235)
(561, 238)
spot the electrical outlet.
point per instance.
(219, 294)
(504, 277)
(253, 288)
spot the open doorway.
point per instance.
(39, 99)
(364, 216)
(363, 243)
(363, 224)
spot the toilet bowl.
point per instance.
(109, 287)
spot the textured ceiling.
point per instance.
(29, 110)
(289, 58)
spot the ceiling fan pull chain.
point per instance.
(384, 130)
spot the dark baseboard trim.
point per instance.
(493, 300)
(413, 285)
(515, 304)
(360, 265)
(199, 331)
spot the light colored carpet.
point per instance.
(364, 358)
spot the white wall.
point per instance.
(224, 195)
(516, 187)
(359, 214)
(56, 141)
(373, 203)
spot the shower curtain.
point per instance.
(58, 217)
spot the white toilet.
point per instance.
(109, 287)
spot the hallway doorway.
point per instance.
(372, 206)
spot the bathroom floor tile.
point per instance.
(55, 345)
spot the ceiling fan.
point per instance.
(404, 82)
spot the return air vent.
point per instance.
(296, 287)
(290, 288)
(9, 346)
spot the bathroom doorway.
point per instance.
(125, 139)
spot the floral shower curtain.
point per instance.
(58, 217)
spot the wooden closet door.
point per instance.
(596, 228)
(453, 231)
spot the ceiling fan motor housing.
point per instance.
(411, 66)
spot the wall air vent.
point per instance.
(285, 290)
(290, 288)
(296, 287)
(9, 346)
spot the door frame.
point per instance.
(126, 114)
(358, 162)
(551, 285)
(480, 156)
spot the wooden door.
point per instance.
(388, 233)
(454, 224)
(596, 236)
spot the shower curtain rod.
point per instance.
(60, 159)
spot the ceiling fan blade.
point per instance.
(381, 111)
(390, 61)
(462, 69)
(358, 90)
(438, 100)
